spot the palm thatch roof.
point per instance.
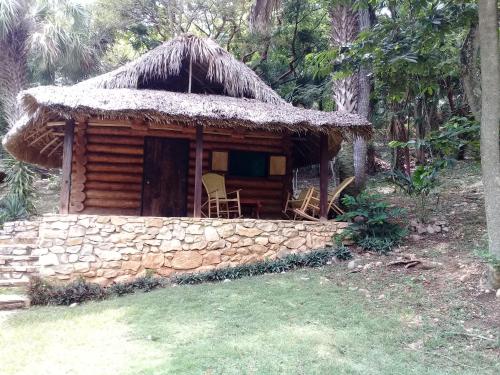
(214, 71)
(225, 94)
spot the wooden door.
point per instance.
(164, 191)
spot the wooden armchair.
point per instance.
(310, 209)
(292, 203)
(219, 202)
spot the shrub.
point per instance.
(42, 292)
(374, 225)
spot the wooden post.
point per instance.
(198, 171)
(323, 177)
(69, 134)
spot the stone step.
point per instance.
(14, 282)
(13, 301)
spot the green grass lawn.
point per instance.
(296, 323)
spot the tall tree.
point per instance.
(490, 131)
(39, 39)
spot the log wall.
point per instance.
(108, 159)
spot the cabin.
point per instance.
(136, 141)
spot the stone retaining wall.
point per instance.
(107, 249)
(18, 241)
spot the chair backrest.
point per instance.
(215, 185)
(303, 193)
(336, 192)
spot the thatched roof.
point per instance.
(51, 103)
(214, 71)
(225, 93)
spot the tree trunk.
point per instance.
(490, 131)
(360, 146)
(470, 72)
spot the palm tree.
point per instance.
(351, 94)
(47, 38)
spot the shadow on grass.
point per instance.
(297, 323)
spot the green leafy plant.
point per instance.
(18, 202)
(42, 292)
(373, 223)
(342, 252)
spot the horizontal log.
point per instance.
(112, 149)
(113, 177)
(111, 211)
(118, 168)
(114, 186)
(111, 203)
(107, 194)
(115, 140)
(113, 158)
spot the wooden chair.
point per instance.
(219, 202)
(335, 194)
(311, 208)
(292, 203)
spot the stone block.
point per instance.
(76, 231)
(267, 226)
(185, 260)
(247, 232)
(118, 220)
(294, 243)
(81, 267)
(170, 245)
(212, 257)
(131, 265)
(73, 241)
(154, 222)
(108, 255)
(152, 260)
(211, 234)
(260, 249)
(262, 240)
(226, 230)
(49, 259)
(64, 269)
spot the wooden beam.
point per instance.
(323, 178)
(69, 134)
(198, 171)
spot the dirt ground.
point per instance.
(450, 286)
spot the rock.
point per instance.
(262, 241)
(421, 229)
(179, 233)
(117, 220)
(154, 222)
(76, 231)
(498, 294)
(430, 229)
(108, 254)
(294, 243)
(152, 260)
(415, 237)
(267, 226)
(220, 244)
(200, 245)
(194, 229)
(247, 232)
(133, 265)
(81, 267)
(170, 245)
(282, 253)
(186, 260)
(226, 230)
(260, 249)
(48, 260)
(212, 257)
(351, 265)
(64, 269)
(211, 234)
(276, 239)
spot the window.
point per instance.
(247, 164)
